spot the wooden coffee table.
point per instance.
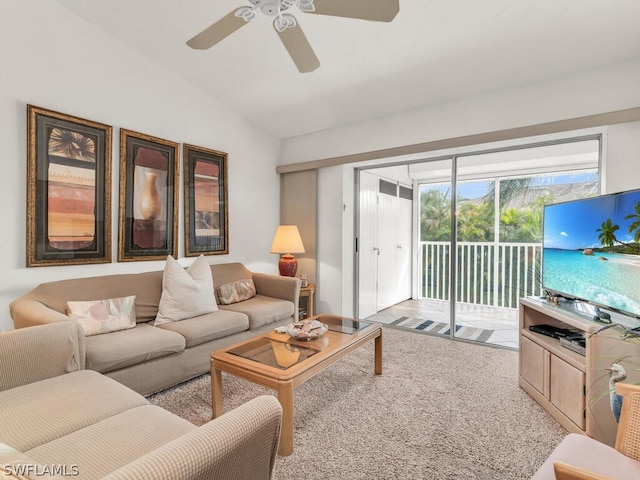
(276, 361)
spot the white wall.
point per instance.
(329, 251)
(53, 59)
(616, 87)
(599, 91)
(623, 156)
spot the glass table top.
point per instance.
(274, 353)
(342, 324)
(285, 354)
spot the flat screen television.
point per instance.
(591, 251)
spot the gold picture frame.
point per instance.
(206, 213)
(68, 189)
(149, 196)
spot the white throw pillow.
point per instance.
(185, 293)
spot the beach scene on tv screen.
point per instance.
(591, 250)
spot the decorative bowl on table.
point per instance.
(306, 330)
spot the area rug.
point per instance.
(440, 410)
(429, 326)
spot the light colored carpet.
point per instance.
(441, 410)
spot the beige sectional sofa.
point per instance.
(150, 358)
(60, 421)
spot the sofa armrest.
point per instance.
(286, 288)
(240, 445)
(27, 313)
(275, 286)
(31, 354)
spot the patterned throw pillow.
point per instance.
(237, 291)
(104, 316)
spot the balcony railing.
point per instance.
(488, 273)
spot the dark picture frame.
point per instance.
(149, 188)
(206, 214)
(68, 189)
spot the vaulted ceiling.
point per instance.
(432, 52)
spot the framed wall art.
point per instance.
(149, 173)
(205, 201)
(68, 189)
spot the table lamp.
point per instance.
(287, 241)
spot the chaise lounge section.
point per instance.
(60, 421)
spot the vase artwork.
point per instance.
(150, 201)
(149, 229)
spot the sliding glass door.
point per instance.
(477, 235)
(496, 232)
(435, 244)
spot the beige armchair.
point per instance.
(54, 414)
(579, 457)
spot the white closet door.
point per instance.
(404, 249)
(387, 260)
(367, 246)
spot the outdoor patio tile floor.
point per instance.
(503, 321)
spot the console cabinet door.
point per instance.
(567, 390)
(532, 364)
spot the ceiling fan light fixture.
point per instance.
(246, 13)
(282, 22)
(306, 6)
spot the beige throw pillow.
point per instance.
(104, 316)
(185, 293)
(237, 291)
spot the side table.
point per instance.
(308, 292)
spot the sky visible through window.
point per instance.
(474, 189)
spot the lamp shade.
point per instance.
(287, 240)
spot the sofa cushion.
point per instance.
(101, 448)
(117, 350)
(262, 310)
(37, 413)
(104, 316)
(186, 293)
(208, 327)
(237, 291)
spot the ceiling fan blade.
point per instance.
(216, 32)
(296, 43)
(374, 10)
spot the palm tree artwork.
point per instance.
(71, 196)
(607, 233)
(72, 145)
(634, 228)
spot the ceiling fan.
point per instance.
(287, 27)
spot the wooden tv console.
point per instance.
(572, 387)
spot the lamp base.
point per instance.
(288, 265)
